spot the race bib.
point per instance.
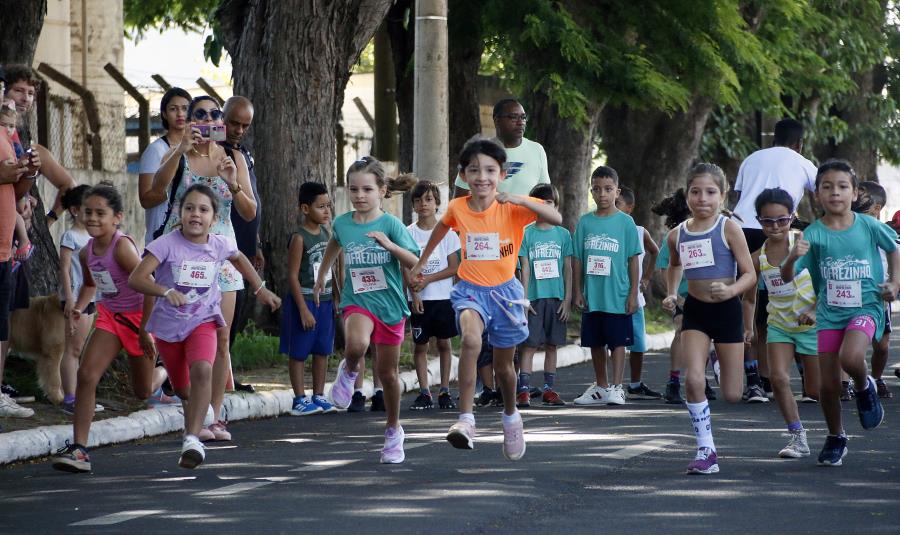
(775, 286)
(483, 246)
(599, 265)
(104, 282)
(315, 272)
(546, 269)
(196, 274)
(433, 265)
(844, 294)
(696, 254)
(367, 279)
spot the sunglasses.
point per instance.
(202, 115)
(514, 117)
(775, 222)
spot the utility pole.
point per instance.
(385, 103)
(431, 125)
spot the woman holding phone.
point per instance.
(205, 162)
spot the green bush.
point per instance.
(253, 348)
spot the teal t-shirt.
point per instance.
(545, 250)
(313, 251)
(603, 246)
(846, 269)
(662, 262)
(372, 277)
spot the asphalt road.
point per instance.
(586, 470)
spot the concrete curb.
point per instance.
(42, 441)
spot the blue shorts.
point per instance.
(639, 330)
(298, 343)
(500, 308)
(600, 329)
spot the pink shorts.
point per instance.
(125, 325)
(389, 335)
(178, 357)
(830, 340)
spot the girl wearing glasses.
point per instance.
(205, 162)
(791, 314)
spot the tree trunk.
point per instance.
(400, 28)
(653, 152)
(569, 151)
(466, 47)
(293, 60)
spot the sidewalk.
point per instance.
(43, 441)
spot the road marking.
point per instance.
(638, 449)
(117, 518)
(316, 466)
(232, 489)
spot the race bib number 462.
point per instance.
(368, 279)
(197, 274)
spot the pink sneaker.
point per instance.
(342, 389)
(462, 435)
(514, 440)
(219, 431)
(705, 462)
(393, 453)
(205, 435)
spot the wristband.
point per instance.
(52, 215)
(166, 293)
(261, 286)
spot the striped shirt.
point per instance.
(786, 299)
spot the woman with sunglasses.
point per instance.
(205, 162)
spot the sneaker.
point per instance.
(497, 399)
(161, 399)
(871, 413)
(536, 392)
(796, 447)
(706, 462)
(523, 399)
(594, 395)
(323, 404)
(642, 392)
(897, 373)
(514, 439)
(303, 406)
(487, 395)
(755, 394)
(192, 453)
(834, 451)
(17, 396)
(422, 402)
(10, 409)
(846, 391)
(462, 435)
(342, 389)
(616, 395)
(392, 452)
(883, 391)
(673, 393)
(767, 387)
(205, 435)
(357, 403)
(552, 399)
(220, 433)
(445, 401)
(378, 402)
(72, 458)
(710, 393)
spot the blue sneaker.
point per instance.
(871, 413)
(304, 407)
(833, 451)
(323, 404)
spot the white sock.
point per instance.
(467, 417)
(509, 419)
(702, 423)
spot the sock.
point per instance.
(675, 377)
(751, 371)
(795, 426)
(445, 390)
(862, 389)
(467, 417)
(524, 381)
(634, 385)
(425, 392)
(69, 399)
(359, 391)
(549, 379)
(511, 418)
(702, 422)
(379, 390)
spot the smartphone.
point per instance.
(211, 132)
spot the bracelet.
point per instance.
(52, 215)
(166, 293)
(261, 286)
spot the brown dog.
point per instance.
(38, 333)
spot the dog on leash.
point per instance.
(39, 333)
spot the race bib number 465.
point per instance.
(197, 274)
(368, 279)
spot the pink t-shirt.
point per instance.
(191, 268)
(111, 279)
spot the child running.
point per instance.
(488, 297)
(607, 247)
(546, 259)
(432, 312)
(187, 310)
(713, 255)
(840, 250)
(107, 260)
(791, 314)
(307, 328)
(375, 244)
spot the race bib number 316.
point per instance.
(599, 265)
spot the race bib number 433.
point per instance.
(368, 279)
(197, 274)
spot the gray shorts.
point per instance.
(545, 327)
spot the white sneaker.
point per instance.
(616, 395)
(192, 453)
(594, 395)
(10, 409)
(392, 453)
(797, 447)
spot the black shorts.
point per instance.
(762, 312)
(18, 299)
(5, 294)
(755, 238)
(722, 322)
(545, 327)
(438, 320)
(600, 329)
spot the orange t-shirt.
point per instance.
(7, 202)
(490, 240)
